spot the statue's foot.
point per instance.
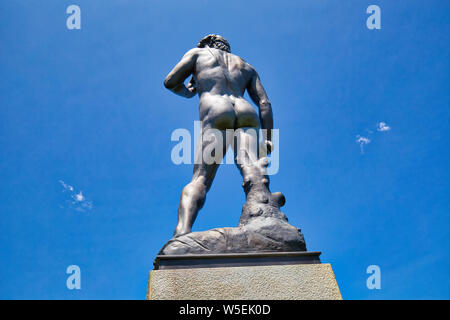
(180, 232)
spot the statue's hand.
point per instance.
(192, 91)
(268, 146)
(191, 88)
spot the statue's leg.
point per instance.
(246, 146)
(194, 193)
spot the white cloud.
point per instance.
(66, 186)
(77, 200)
(362, 141)
(79, 197)
(382, 126)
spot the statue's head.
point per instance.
(215, 41)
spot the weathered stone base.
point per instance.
(270, 282)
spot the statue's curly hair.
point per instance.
(215, 41)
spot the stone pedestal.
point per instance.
(264, 276)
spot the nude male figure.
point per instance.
(220, 78)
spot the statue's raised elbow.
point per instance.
(168, 84)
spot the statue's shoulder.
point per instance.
(244, 64)
(248, 67)
(193, 52)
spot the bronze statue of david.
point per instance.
(220, 79)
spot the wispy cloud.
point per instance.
(362, 141)
(382, 126)
(66, 186)
(79, 197)
(77, 200)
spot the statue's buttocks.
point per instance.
(226, 112)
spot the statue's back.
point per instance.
(222, 73)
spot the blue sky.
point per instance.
(87, 107)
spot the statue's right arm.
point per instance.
(258, 95)
(175, 79)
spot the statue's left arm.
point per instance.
(175, 79)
